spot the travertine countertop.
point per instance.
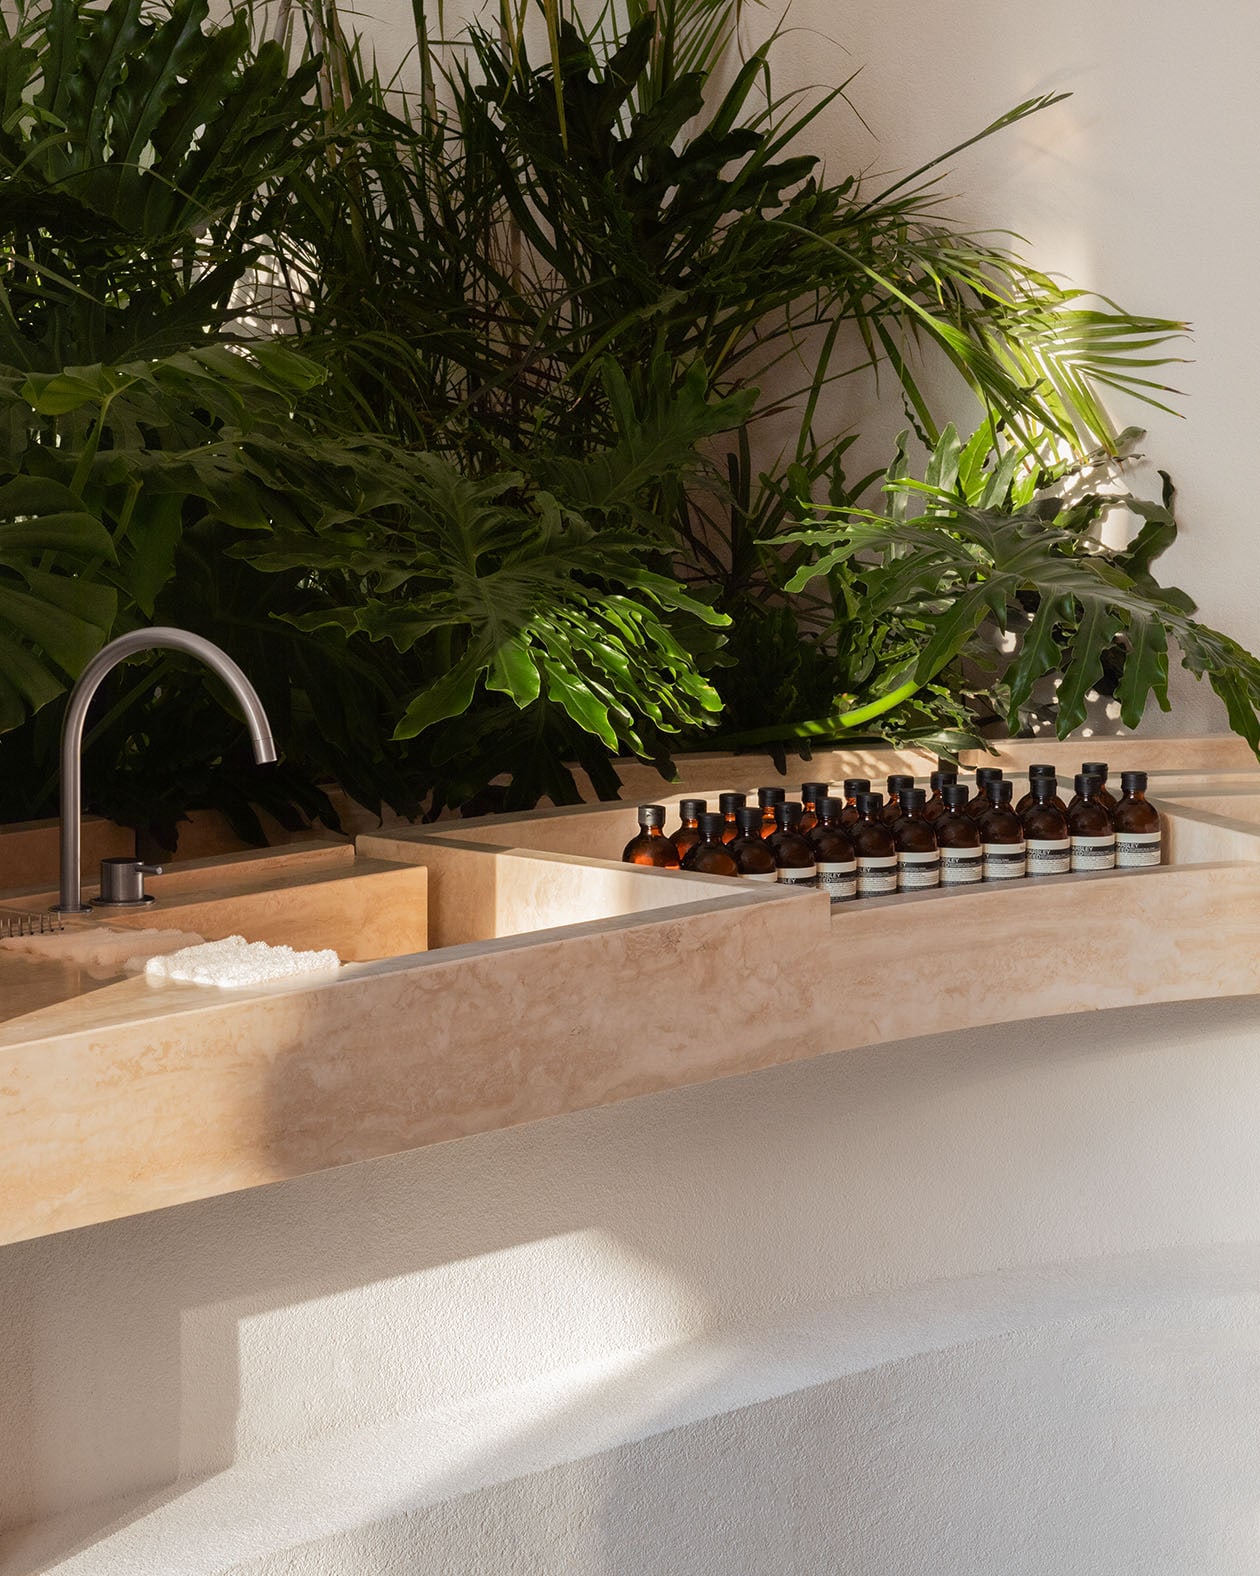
(130, 1096)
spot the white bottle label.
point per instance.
(961, 866)
(877, 874)
(1137, 850)
(915, 872)
(1049, 857)
(1094, 853)
(798, 875)
(761, 875)
(1004, 861)
(838, 881)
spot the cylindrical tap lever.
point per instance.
(122, 883)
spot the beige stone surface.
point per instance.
(562, 980)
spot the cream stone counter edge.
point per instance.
(134, 1099)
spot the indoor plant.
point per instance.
(423, 384)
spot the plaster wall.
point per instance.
(991, 1292)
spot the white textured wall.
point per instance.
(992, 1292)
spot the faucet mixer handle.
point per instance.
(122, 883)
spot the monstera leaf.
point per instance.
(952, 564)
(52, 618)
(498, 586)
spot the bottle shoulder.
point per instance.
(956, 829)
(710, 859)
(1001, 825)
(872, 837)
(914, 836)
(790, 849)
(1087, 819)
(1135, 815)
(1044, 821)
(830, 845)
(751, 856)
(660, 853)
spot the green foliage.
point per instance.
(490, 587)
(501, 495)
(143, 158)
(52, 619)
(994, 547)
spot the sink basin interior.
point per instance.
(309, 898)
(481, 891)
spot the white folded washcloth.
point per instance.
(234, 962)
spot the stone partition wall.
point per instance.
(984, 1301)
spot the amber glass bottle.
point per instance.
(651, 846)
(767, 798)
(1138, 830)
(1002, 836)
(852, 787)
(935, 807)
(1091, 828)
(687, 833)
(710, 856)
(1033, 773)
(897, 784)
(873, 844)
(918, 853)
(792, 853)
(811, 793)
(728, 803)
(833, 852)
(979, 802)
(1099, 769)
(1046, 829)
(749, 849)
(958, 837)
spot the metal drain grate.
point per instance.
(20, 922)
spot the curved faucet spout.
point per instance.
(107, 658)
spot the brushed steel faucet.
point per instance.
(106, 659)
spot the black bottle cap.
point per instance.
(768, 796)
(1045, 785)
(988, 774)
(748, 819)
(898, 783)
(689, 809)
(856, 785)
(913, 799)
(1087, 781)
(829, 806)
(788, 814)
(955, 795)
(813, 792)
(1094, 769)
(651, 815)
(1001, 793)
(1042, 771)
(728, 803)
(711, 823)
(1133, 782)
(870, 803)
(941, 779)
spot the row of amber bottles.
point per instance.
(865, 845)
